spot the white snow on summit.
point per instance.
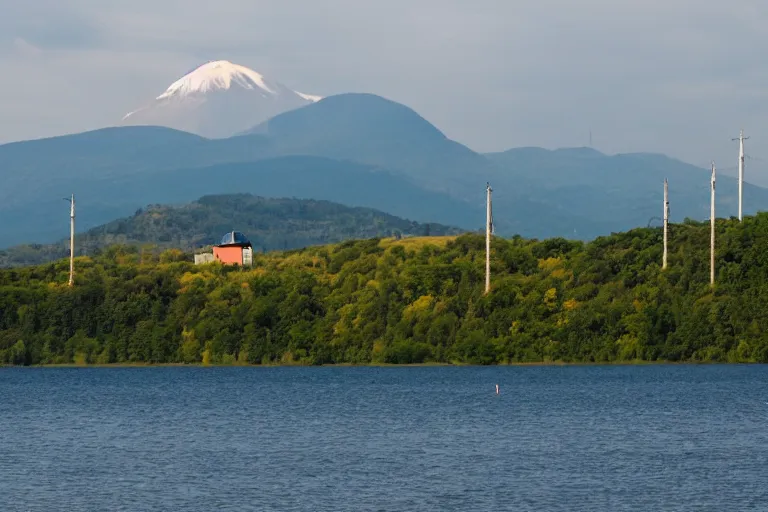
(220, 74)
(219, 99)
(309, 97)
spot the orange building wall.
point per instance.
(229, 255)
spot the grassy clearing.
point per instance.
(417, 242)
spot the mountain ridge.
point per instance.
(370, 129)
(270, 224)
(637, 175)
(355, 149)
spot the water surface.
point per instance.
(643, 438)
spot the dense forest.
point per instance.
(415, 300)
(270, 224)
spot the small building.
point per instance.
(234, 249)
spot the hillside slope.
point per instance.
(270, 224)
(413, 301)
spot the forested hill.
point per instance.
(411, 301)
(270, 224)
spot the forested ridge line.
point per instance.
(270, 224)
(411, 301)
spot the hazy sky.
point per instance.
(673, 76)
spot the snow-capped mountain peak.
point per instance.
(219, 99)
(220, 74)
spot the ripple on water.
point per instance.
(351, 439)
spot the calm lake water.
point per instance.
(644, 438)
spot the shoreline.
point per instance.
(382, 365)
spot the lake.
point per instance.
(560, 438)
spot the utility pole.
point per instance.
(666, 223)
(741, 140)
(488, 228)
(71, 239)
(712, 231)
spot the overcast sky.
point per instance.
(673, 76)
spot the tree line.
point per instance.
(416, 300)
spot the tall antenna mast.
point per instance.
(488, 229)
(712, 231)
(71, 239)
(666, 223)
(741, 140)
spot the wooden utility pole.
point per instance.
(712, 231)
(71, 239)
(488, 229)
(666, 223)
(741, 140)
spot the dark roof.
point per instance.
(235, 238)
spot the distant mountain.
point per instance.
(626, 189)
(370, 129)
(218, 99)
(304, 177)
(357, 150)
(92, 165)
(270, 224)
(42, 218)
